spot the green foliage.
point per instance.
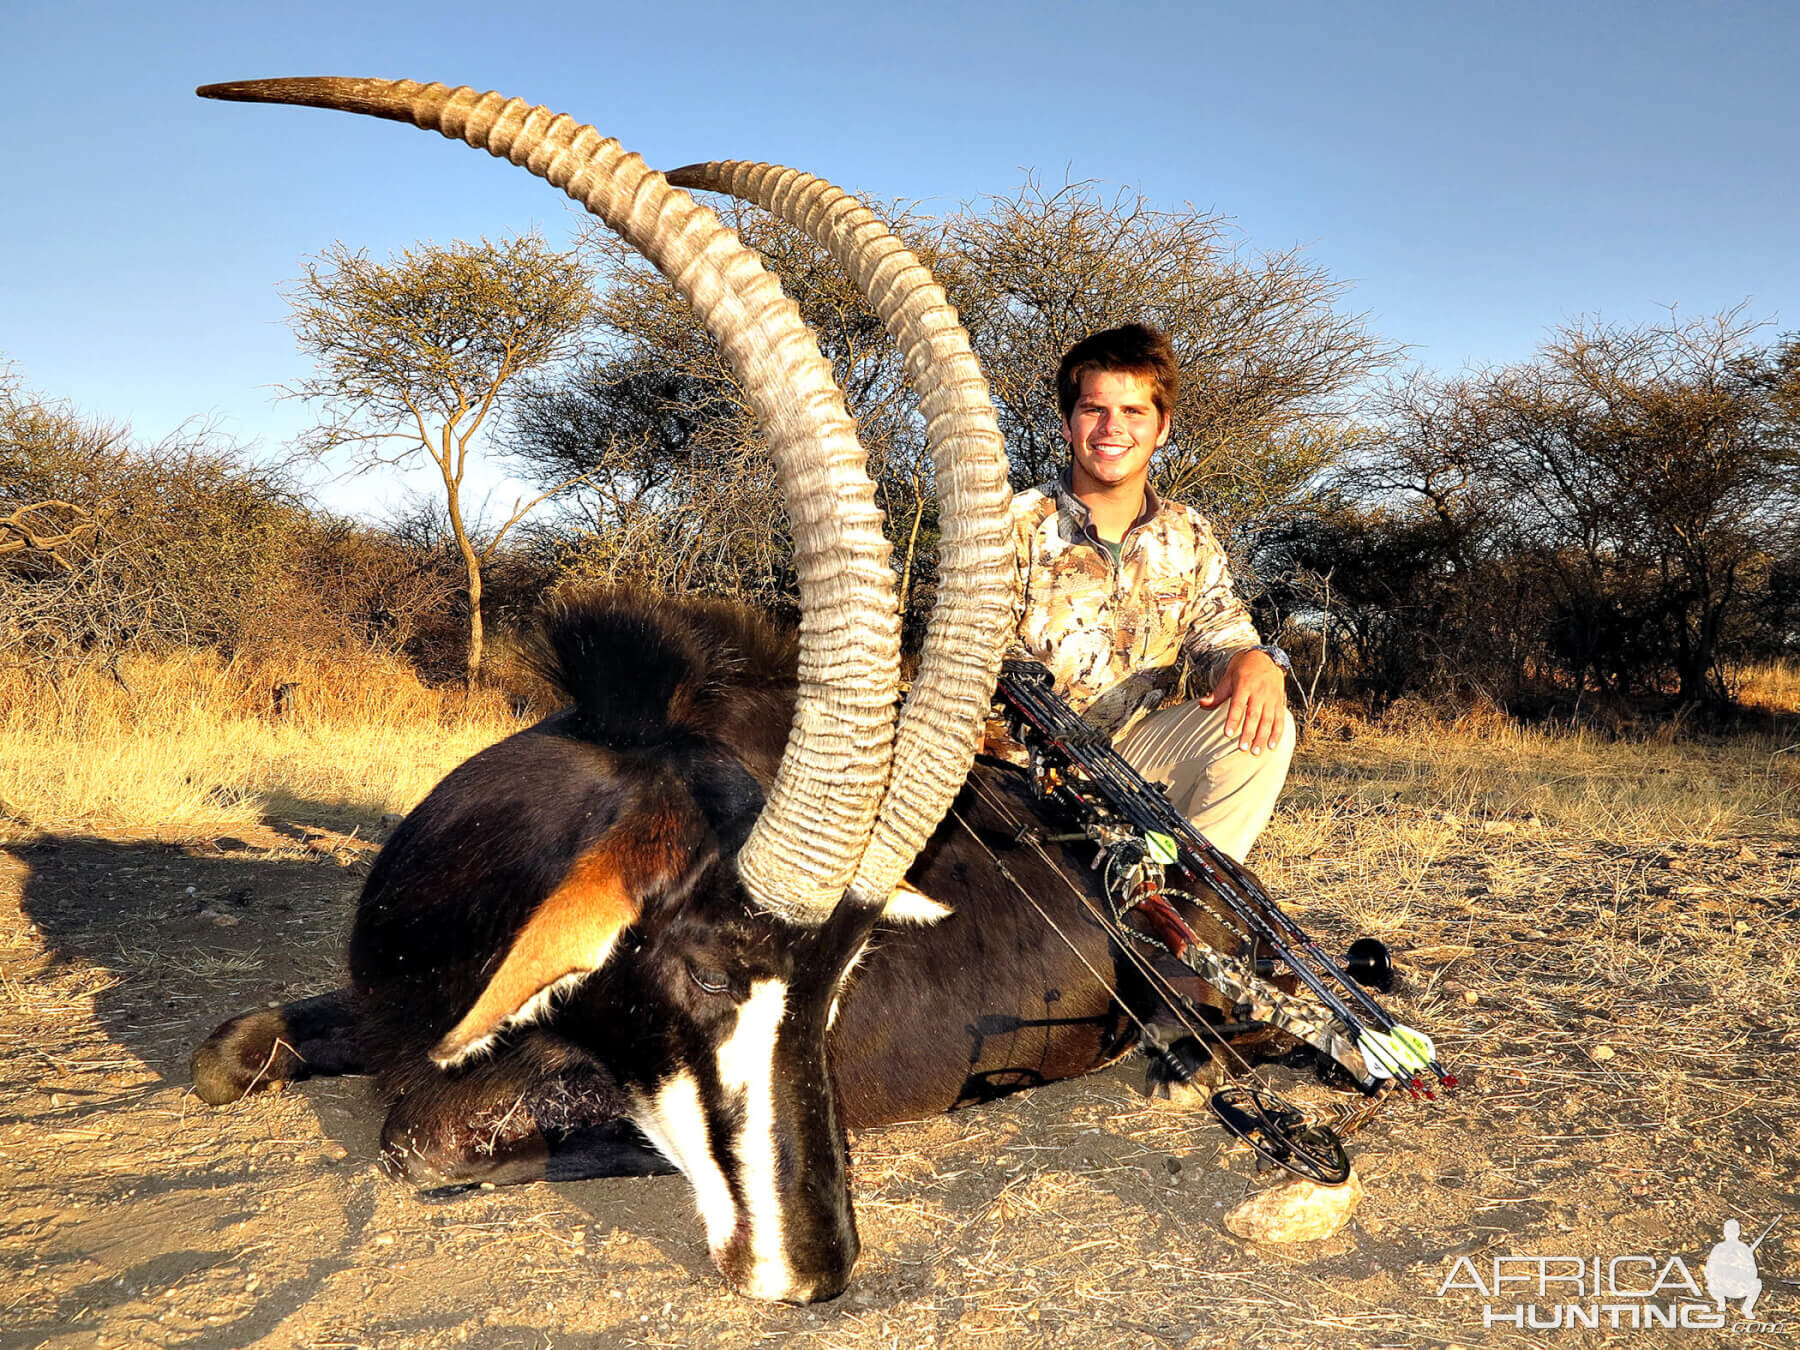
(1617, 516)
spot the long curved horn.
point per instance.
(939, 728)
(804, 850)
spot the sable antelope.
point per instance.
(644, 932)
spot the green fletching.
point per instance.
(1162, 847)
(1402, 1050)
(1416, 1044)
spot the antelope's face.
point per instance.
(714, 1017)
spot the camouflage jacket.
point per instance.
(1094, 621)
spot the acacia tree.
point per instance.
(677, 492)
(1612, 515)
(415, 356)
(1654, 455)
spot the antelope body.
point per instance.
(671, 925)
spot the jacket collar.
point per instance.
(1082, 519)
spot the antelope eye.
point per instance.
(710, 979)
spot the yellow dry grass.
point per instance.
(185, 745)
(1381, 805)
(1773, 686)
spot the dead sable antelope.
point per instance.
(663, 928)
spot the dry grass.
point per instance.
(1382, 806)
(1773, 686)
(185, 745)
(1598, 935)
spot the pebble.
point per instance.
(1603, 1052)
(1471, 997)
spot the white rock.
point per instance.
(1296, 1210)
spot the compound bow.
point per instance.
(1144, 838)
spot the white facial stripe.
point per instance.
(747, 1066)
(675, 1121)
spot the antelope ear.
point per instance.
(569, 936)
(909, 904)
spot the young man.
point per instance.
(1116, 585)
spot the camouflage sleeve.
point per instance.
(1216, 624)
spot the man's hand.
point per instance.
(1256, 690)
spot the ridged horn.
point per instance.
(940, 726)
(805, 848)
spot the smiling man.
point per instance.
(1116, 585)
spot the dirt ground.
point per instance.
(1625, 1012)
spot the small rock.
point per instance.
(1471, 997)
(225, 921)
(385, 1240)
(1296, 1210)
(1603, 1052)
(1497, 827)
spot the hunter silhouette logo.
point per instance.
(1730, 1268)
(1634, 1291)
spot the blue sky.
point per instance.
(1476, 173)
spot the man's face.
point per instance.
(1113, 431)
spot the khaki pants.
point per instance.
(1228, 793)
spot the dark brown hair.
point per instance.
(1133, 349)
